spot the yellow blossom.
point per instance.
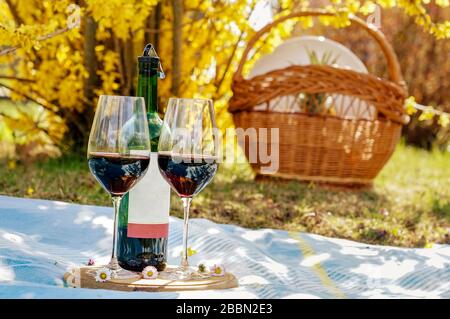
(410, 105)
(429, 245)
(58, 70)
(444, 120)
(191, 252)
(11, 164)
(427, 114)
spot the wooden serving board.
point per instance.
(84, 277)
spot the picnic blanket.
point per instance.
(40, 240)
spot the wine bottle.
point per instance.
(144, 211)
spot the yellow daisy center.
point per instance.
(218, 271)
(149, 273)
(103, 275)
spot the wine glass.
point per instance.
(119, 155)
(188, 158)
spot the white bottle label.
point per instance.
(149, 205)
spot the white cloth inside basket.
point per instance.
(296, 51)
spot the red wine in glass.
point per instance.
(118, 156)
(188, 175)
(188, 159)
(117, 173)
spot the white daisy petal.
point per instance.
(218, 271)
(150, 272)
(103, 275)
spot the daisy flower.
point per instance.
(103, 275)
(150, 272)
(218, 271)
(202, 268)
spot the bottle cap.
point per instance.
(150, 61)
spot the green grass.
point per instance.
(409, 205)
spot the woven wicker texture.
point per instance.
(323, 145)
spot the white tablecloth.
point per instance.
(40, 240)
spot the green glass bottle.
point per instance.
(144, 211)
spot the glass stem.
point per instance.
(114, 264)
(186, 205)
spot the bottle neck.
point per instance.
(148, 89)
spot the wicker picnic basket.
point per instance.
(324, 148)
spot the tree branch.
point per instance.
(36, 123)
(177, 43)
(40, 39)
(90, 58)
(118, 49)
(40, 101)
(14, 12)
(218, 84)
(48, 106)
(6, 77)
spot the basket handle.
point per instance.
(391, 58)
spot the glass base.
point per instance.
(124, 274)
(118, 272)
(183, 273)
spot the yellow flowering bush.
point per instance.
(47, 57)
